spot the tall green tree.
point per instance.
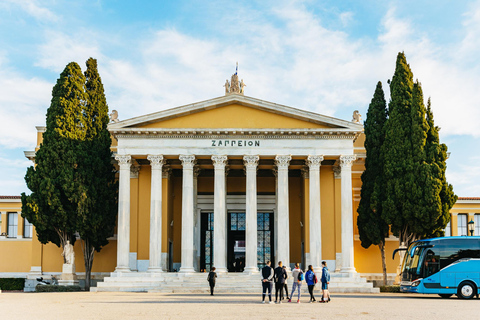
(397, 151)
(54, 181)
(418, 198)
(372, 228)
(97, 211)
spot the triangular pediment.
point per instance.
(235, 111)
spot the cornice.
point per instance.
(182, 133)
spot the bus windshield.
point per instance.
(411, 267)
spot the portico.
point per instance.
(216, 171)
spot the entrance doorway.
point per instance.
(236, 242)
(236, 226)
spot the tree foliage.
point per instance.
(73, 183)
(56, 190)
(97, 213)
(418, 198)
(372, 228)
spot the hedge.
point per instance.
(394, 289)
(12, 283)
(56, 288)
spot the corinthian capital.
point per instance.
(282, 161)
(188, 161)
(251, 162)
(156, 161)
(347, 161)
(219, 161)
(123, 160)
(314, 162)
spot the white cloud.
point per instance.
(346, 18)
(60, 49)
(33, 8)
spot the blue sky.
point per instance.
(323, 56)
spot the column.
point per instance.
(188, 162)
(155, 250)
(251, 163)
(347, 213)
(315, 221)
(123, 230)
(219, 214)
(283, 233)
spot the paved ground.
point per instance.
(88, 305)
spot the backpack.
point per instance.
(301, 276)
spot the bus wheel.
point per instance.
(466, 290)
(445, 296)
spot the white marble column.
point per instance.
(155, 253)
(188, 162)
(283, 233)
(315, 222)
(123, 230)
(219, 214)
(251, 163)
(347, 213)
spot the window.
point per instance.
(12, 224)
(462, 224)
(448, 230)
(27, 229)
(476, 218)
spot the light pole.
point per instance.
(471, 227)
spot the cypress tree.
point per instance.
(54, 181)
(97, 211)
(397, 152)
(418, 198)
(371, 226)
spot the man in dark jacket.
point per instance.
(280, 277)
(267, 284)
(212, 278)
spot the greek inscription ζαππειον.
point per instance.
(235, 143)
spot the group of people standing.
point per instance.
(279, 277)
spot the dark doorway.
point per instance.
(236, 242)
(206, 234)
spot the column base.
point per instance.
(122, 269)
(187, 270)
(221, 270)
(251, 270)
(154, 270)
(348, 270)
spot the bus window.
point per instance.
(431, 264)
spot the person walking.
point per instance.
(298, 277)
(212, 278)
(311, 280)
(286, 286)
(325, 281)
(267, 284)
(280, 277)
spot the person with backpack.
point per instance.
(280, 277)
(298, 277)
(325, 282)
(311, 280)
(212, 278)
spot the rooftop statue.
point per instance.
(357, 117)
(114, 116)
(234, 86)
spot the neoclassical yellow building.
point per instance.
(230, 182)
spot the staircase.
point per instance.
(173, 282)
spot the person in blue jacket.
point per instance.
(325, 282)
(311, 279)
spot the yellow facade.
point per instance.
(25, 254)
